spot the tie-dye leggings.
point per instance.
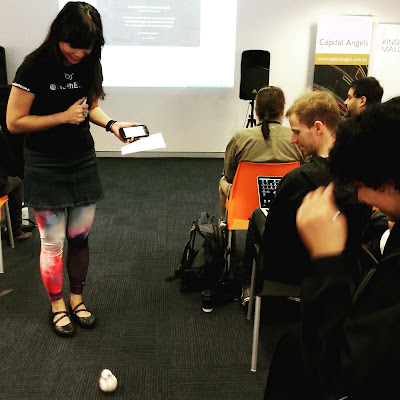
(54, 225)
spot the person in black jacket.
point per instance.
(348, 343)
(11, 185)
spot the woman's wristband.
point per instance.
(110, 123)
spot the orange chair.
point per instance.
(243, 198)
(4, 201)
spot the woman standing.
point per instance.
(54, 96)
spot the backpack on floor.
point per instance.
(203, 265)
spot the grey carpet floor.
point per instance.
(156, 340)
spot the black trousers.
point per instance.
(292, 376)
(254, 236)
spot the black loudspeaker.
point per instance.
(3, 70)
(254, 73)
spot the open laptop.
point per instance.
(266, 191)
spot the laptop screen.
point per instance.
(267, 189)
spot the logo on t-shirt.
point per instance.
(68, 86)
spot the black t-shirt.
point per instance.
(56, 88)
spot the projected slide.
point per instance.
(151, 22)
(168, 43)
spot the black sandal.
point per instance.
(85, 322)
(61, 330)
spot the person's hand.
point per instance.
(115, 130)
(77, 113)
(322, 228)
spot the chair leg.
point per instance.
(256, 331)
(229, 251)
(252, 290)
(9, 227)
(1, 258)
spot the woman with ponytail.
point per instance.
(269, 141)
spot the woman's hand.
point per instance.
(322, 229)
(20, 120)
(77, 113)
(115, 130)
(100, 118)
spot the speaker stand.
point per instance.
(251, 121)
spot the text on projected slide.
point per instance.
(151, 22)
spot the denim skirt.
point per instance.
(63, 181)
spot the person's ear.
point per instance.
(363, 101)
(319, 127)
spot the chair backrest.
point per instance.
(243, 198)
(3, 200)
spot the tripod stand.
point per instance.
(251, 120)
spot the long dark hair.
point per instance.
(270, 102)
(78, 24)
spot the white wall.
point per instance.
(202, 119)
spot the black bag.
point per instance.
(203, 267)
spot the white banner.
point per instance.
(343, 40)
(341, 53)
(386, 64)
